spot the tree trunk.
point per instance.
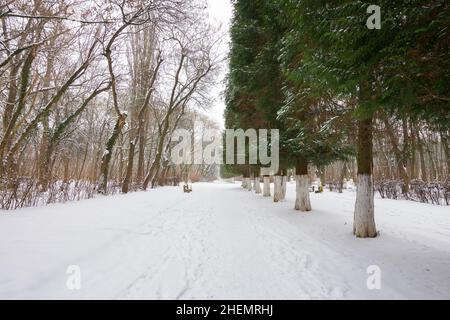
(256, 182)
(266, 190)
(257, 185)
(44, 154)
(66, 162)
(322, 176)
(155, 165)
(246, 180)
(364, 219)
(283, 186)
(163, 180)
(412, 171)
(44, 158)
(83, 162)
(141, 155)
(128, 175)
(342, 177)
(44, 163)
(433, 173)
(12, 120)
(278, 187)
(423, 168)
(249, 184)
(302, 201)
(445, 146)
(400, 157)
(107, 155)
(12, 93)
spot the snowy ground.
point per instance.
(221, 242)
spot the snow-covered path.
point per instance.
(221, 242)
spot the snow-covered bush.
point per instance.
(25, 192)
(427, 192)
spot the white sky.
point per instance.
(220, 12)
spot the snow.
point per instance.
(222, 242)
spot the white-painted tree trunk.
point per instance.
(246, 183)
(243, 183)
(284, 180)
(249, 184)
(257, 185)
(278, 189)
(266, 189)
(302, 202)
(364, 219)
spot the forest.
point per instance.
(351, 102)
(225, 150)
(90, 93)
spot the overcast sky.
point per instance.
(220, 12)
